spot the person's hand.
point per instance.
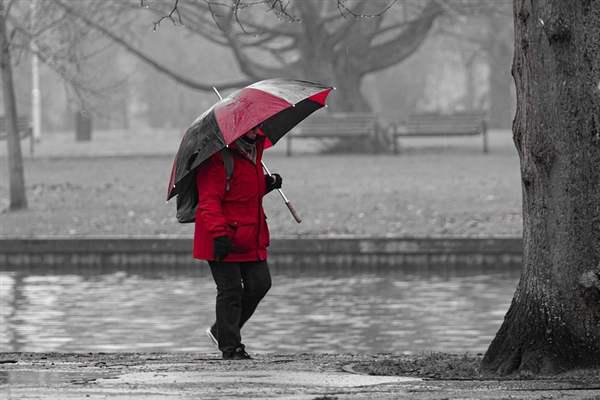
(221, 247)
(273, 182)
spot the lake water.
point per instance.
(322, 310)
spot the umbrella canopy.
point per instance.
(275, 105)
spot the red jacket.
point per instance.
(237, 213)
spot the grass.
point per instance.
(451, 190)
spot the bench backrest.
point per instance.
(440, 124)
(23, 126)
(338, 124)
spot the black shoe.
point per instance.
(237, 354)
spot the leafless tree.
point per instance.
(336, 42)
(116, 30)
(61, 42)
(487, 38)
(553, 322)
(18, 198)
(333, 41)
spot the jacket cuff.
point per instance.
(219, 232)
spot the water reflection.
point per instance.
(316, 311)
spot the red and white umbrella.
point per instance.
(273, 105)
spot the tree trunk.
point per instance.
(321, 65)
(348, 96)
(553, 322)
(18, 199)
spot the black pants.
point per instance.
(240, 287)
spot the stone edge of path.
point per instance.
(298, 252)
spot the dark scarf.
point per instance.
(247, 147)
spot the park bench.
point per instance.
(23, 127)
(350, 126)
(443, 125)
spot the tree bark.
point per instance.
(18, 199)
(553, 322)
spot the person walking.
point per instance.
(231, 233)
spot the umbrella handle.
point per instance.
(217, 92)
(292, 210)
(283, 196)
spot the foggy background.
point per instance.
(462, 64)
(119, 84)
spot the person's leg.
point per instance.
(228, 305)
(257, 282)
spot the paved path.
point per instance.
(204, 376)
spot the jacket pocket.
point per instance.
(244, 237)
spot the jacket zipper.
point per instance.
(259, 198)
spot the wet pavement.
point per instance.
(273, 376)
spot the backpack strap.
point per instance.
(228, 162)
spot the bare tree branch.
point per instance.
(248, 66)
(405, 43)
(346, 11)
(147, 59)
(169, 16)
(330, 40)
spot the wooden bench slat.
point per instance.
(334, 135)
(449, 118)
(22, 123)
(334, 126)
(441, 125)
(438, 134)
(23, 127)
(447, 122)
(23, 134)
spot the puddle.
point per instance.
(292, 378)
(320, 311)
(46, 378)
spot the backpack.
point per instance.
(187, 200)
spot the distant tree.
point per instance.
(54, 37)
(487, 38)
(336, 42)
(17, 194)
(119, 14)
(553, 322)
